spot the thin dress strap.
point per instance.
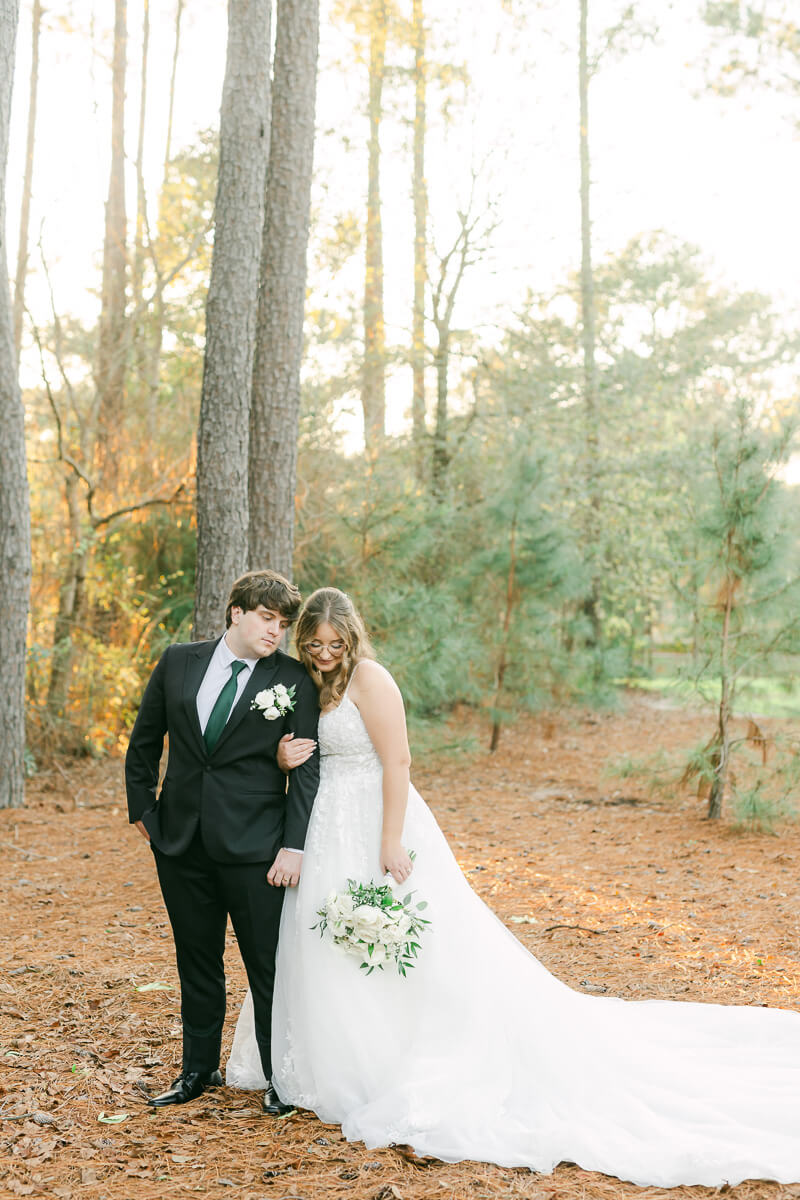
(352, 677)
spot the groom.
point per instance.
(226, 831)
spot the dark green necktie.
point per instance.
(222, 708)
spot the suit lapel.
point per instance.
(260, 677)
(196, 666)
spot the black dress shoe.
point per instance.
(188, 1086)
(272, 1104)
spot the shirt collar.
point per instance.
(227, 656)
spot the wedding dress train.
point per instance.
(480, 1053)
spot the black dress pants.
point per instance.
(199, 894)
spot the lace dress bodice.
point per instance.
(348, 810)
(344, 744)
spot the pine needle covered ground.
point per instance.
(614, 890)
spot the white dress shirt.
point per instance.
(218, 672)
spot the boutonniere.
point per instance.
(274, 702)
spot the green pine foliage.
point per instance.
(747, 577)
(474, 589)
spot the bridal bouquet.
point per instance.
(369, 922)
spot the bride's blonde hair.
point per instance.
(330, 606)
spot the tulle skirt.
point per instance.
(480, 1053)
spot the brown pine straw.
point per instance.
(614, 890)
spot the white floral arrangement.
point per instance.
(274, 702)
(370, 923)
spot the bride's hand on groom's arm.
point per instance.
(285, 871)
(294, 751)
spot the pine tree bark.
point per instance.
(141, 195)
(440, 457)
(443, 301)
(373, 387)
(721, 752)
(71, 598)
(275, 409)
(27, 183)
(15, 538)
(590, 415)
(223, 434)
(155, 338)
(110, 368)
(172, 79)
(420, 194)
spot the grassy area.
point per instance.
(764, 695)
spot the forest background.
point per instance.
(549, 392)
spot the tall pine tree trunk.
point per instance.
(420, 195)
(141, 196)
(15, 536)
(275, 410)
(110, 368)
(443, 301)
(138, 326)
(590, 414)
(503, 661)
(71, 598)
(172, 78)
(721, 750)
(373, 387)
(223, 434)
(440, 458)
(152, 363)
(27, 183)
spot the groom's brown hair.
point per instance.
(267, 588)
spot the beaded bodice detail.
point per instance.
(344, 743)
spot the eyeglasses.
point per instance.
(335, 648)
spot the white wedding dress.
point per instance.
(480, 1053)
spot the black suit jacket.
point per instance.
(237, 795)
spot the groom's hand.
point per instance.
(293, 752)
(285, 871)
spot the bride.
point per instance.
(480, 1053)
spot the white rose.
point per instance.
(345, 904)
(265, 698)
(366, 921)
(367, 915)
(280, 690)
(270, 714)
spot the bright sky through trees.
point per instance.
(722, 173)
